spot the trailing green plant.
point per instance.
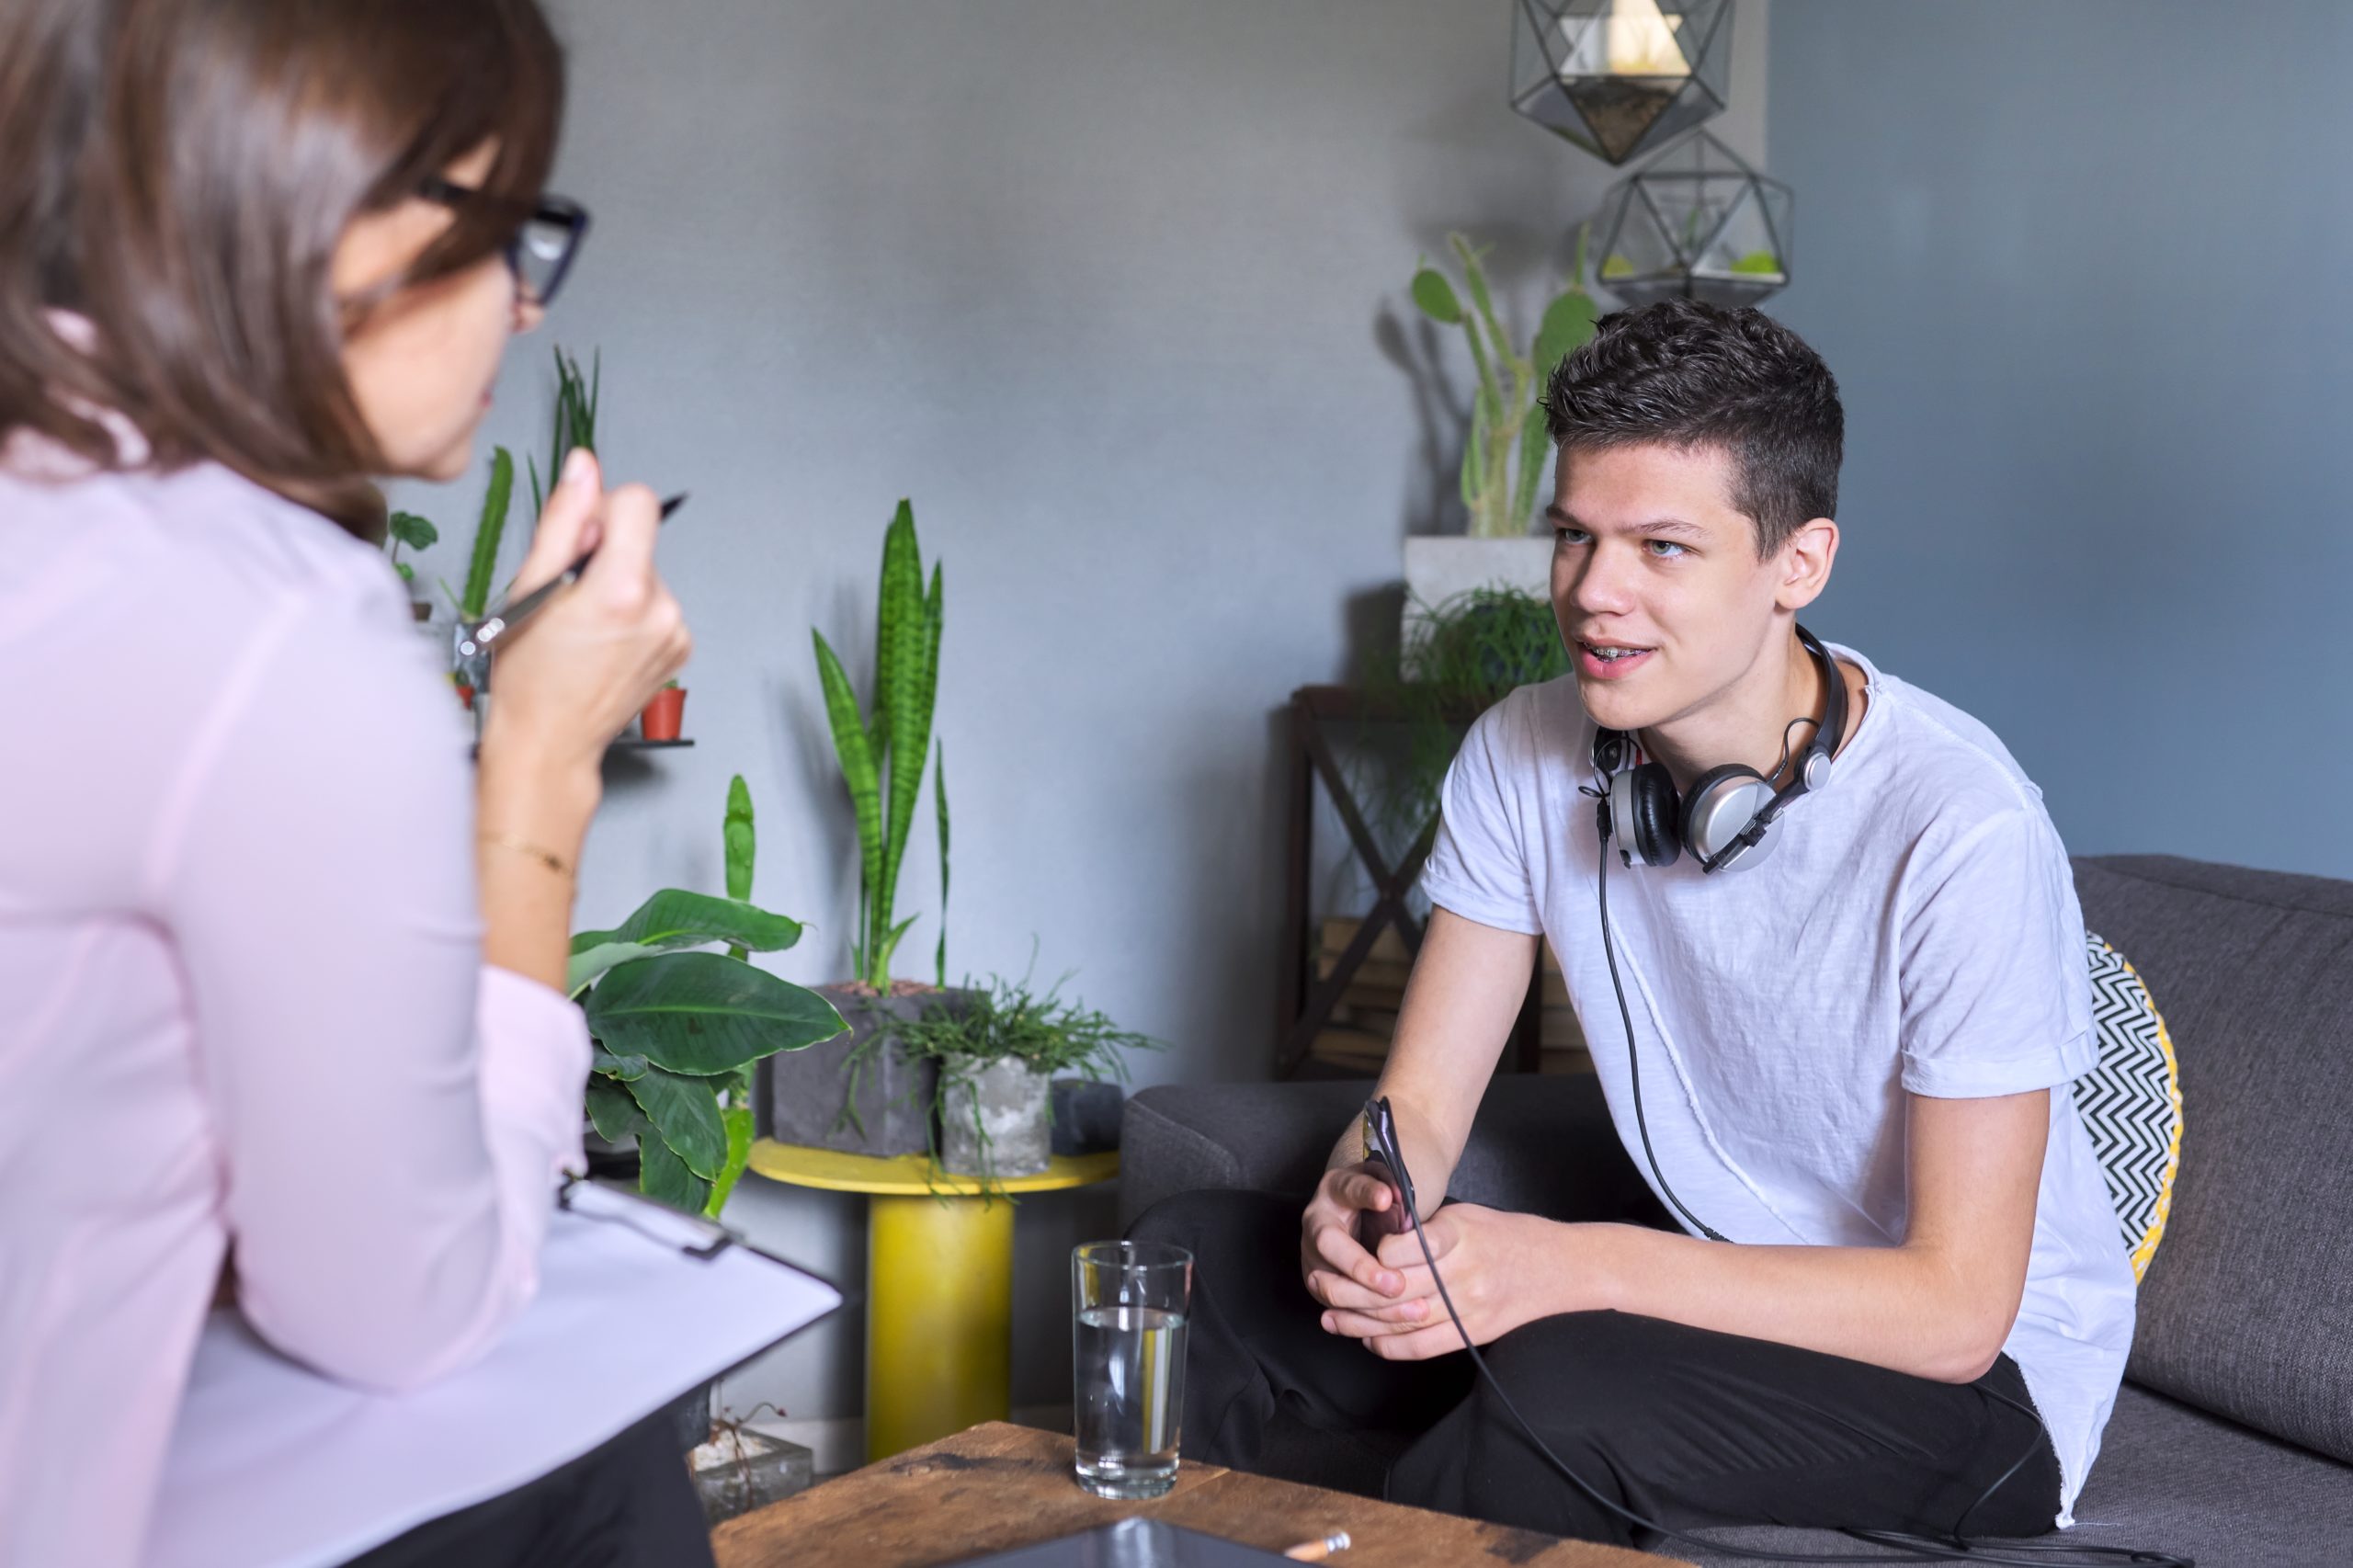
(407, 529)
(1008, 1021)
(1503, 457)
(1465, 654)
(676, 1032)
(576, 418)
(884, 751)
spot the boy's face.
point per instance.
(1656, 584)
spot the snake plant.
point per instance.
(883, 752)
(1499, 489)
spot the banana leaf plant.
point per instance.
(883, 753)
(677, 1030)
(1499, 487)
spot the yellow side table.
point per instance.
(938, 1283)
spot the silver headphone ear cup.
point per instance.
(1723, 802)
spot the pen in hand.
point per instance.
(474, 640)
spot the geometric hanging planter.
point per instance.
(1620, 78)
(1697, 223)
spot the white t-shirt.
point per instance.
(1914, 928)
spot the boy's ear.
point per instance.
(1804, 563)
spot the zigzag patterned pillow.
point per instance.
(2131, 1103)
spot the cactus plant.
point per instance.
(883, 753)
(1499, 487)
(475, 602)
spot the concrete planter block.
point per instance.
(1011, 1102)
(1440, 568)
(1086, 1115)
(808, 1089)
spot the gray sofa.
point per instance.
(2232, 1435)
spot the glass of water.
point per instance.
(1129, 1300)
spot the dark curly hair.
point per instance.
(1683, 373)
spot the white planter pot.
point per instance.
(1438, 569)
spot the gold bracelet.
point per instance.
(547, 858)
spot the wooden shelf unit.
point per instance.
(1343, 977)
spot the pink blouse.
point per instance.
(241, 1000)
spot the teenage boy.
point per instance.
(1854, 1033)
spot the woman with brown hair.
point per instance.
(283, 974)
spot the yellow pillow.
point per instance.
(2131, 1103)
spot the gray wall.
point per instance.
(2074, 267)
(1109, 290)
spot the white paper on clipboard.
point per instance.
(273, 1466)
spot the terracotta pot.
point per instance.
(661, 718)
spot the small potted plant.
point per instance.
(998, 1053)
(676, 1032)
(663, 715)
(864, 1095)
(406, 529)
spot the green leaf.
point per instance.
(702, 1013)
(889, 942)
(589, 966)
(939, 799)
(905, 722)
(487, 534)
(1435, 295)
(740, 842)
(675, 918)
(614, 1111)
(621, 1067)
(739, 1155)
(1533, 445)
(1568, 327)
(408, 572)
(412, 530)
(664, 1177)
(855, 753)
(684, 1112)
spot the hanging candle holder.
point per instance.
(1620, 78)
(1695, 223)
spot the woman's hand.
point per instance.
(1502, 1270)
(568, 679)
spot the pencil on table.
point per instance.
(1317, 1550)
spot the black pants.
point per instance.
(1682, 1425)
(626, 1504)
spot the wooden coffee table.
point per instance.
(995, 1486)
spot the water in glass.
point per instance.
(1130, 1396)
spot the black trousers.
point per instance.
(1681, 1426)
(626, 1504)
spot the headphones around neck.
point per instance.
(1723, 821)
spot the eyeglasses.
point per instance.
(545, 240)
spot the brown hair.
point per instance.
(193, 164)
(1686, 374)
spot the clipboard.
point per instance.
(274, 1466)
